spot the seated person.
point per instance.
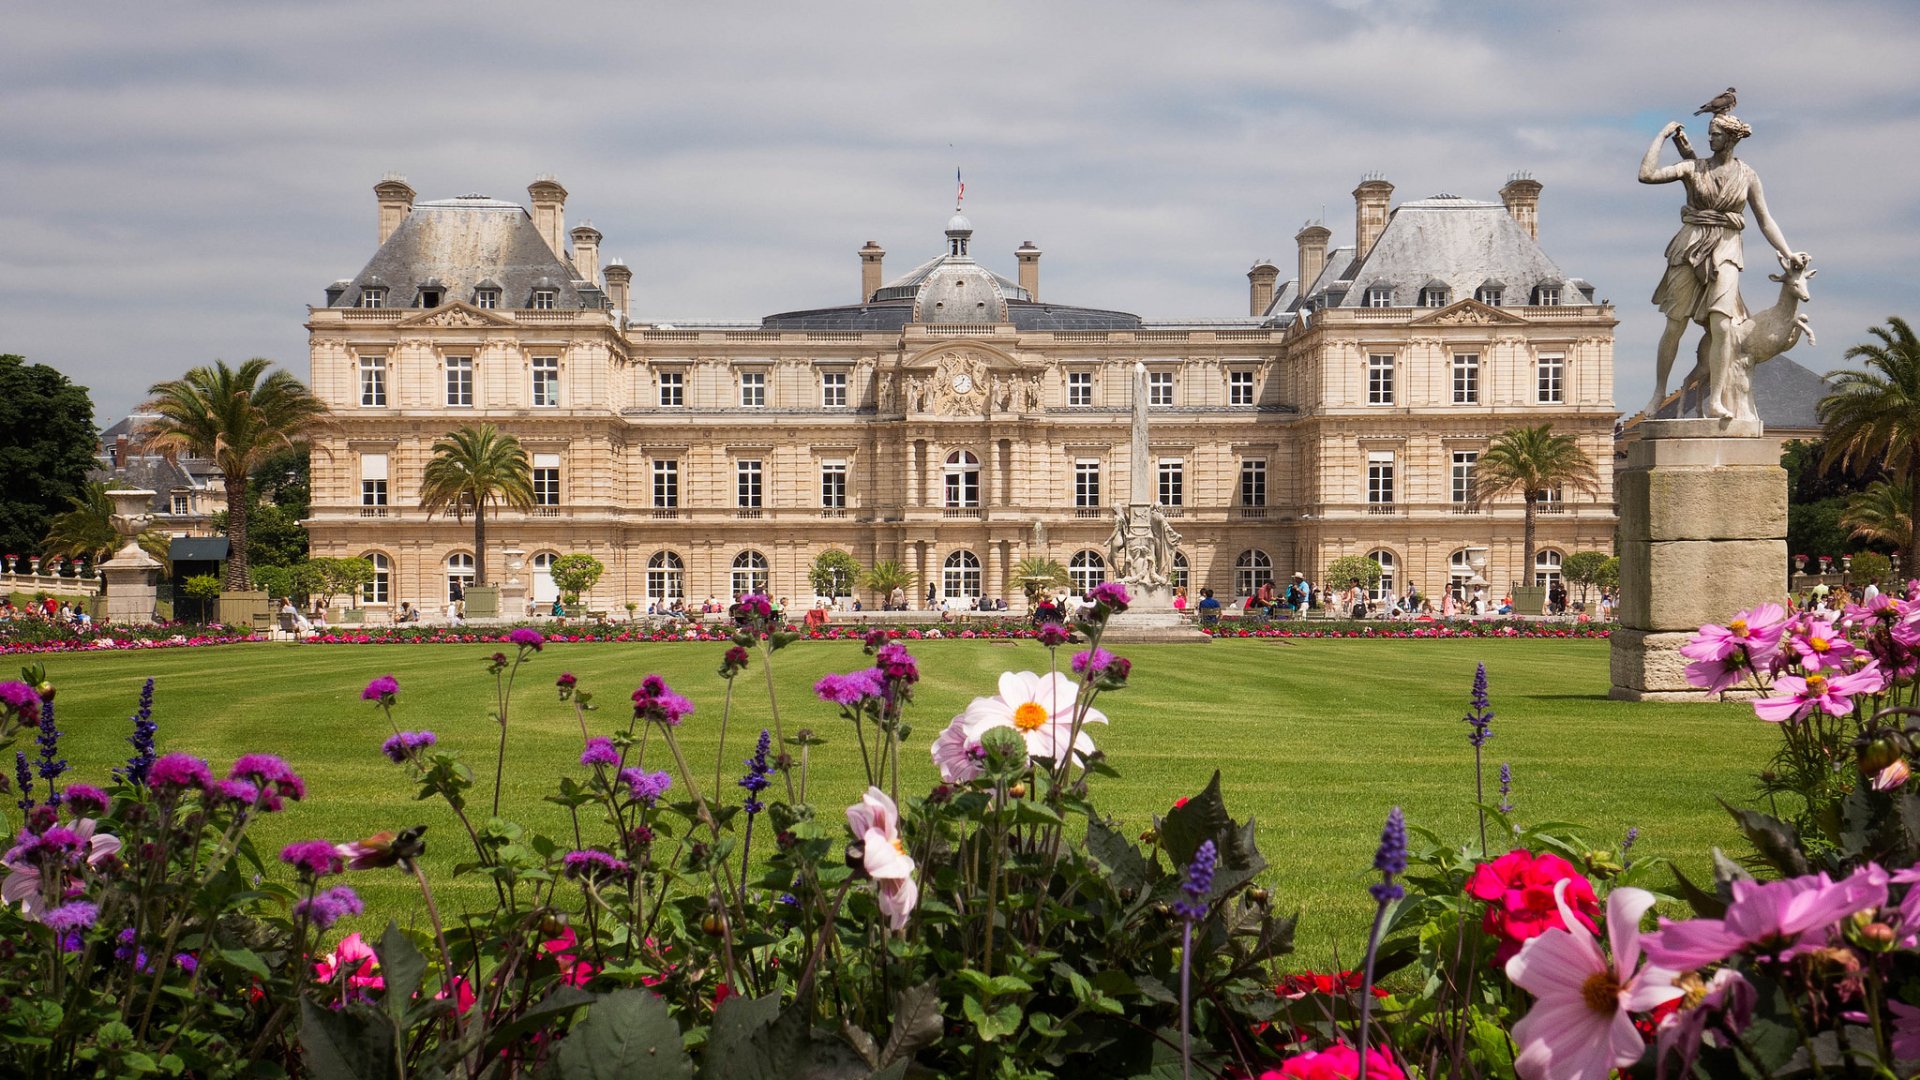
(1209, 608)
(408, 613)
(1046, 612)
(856, 604)
(559, 610)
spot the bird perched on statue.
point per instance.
(1722, 104)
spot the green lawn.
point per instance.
(1315, 739)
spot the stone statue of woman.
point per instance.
(1704, 259)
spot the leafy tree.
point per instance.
(833, 573)
(575, 574)
(277, 501)
(326, 578)
(887, 576)
(85, 529)
(472, 468)
(47, 444)
(1871, 566)
(1530, 460)
(1609, 575)
(236, 417)
(1037, 575)
(202, 589)
(280, 582)
(1882, 514)
(1347, 567)
(1873, 416)
(1583, 568)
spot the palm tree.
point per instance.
(886, 576)
(1037, 574)
(1873, 417)
(86, 530)
(1531, 460)
(1882, 514)
(470, 468)
(235, 417)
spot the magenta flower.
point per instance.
(274, 777)
(403, 745)
(177, 771)
(1773, 916)
(324, 909)
(595, 865)
(851, 689)
(1756, 631)
(312, 858)
(1831, 694)
(381, 690)
(1818, 645)
(72, 918)
(1111, 593)
(527, 638)
(644, 786)
(600, 751)
(20, 700)
(655, 700)
(1053, 635)
(233, 793)
(1727, 1005)
(85, 800)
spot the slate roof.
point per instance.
(153, 473)
(462, 243)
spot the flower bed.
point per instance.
(38, 637)
(1408, 629)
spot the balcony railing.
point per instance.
(1173, 511)
(1253, 513)
(545, 511)
(833, 512)
(373, 511)
(1088, 512)
(970, 513)
(666, 513)
(1384, 509)
(749, 512)
(1464, 508)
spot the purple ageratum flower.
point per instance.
(1391, 858)
(186, 962)
(85, 800)
(233, 792)
(595, 865)
(274, 777)
(527, 638)
(177, 771)
(600, 751)
(1193, 903)
(757, 772)
(1480, 717)
(1053, 635)
(323, 909)
(655, 700)
(20, 700)
(851, 689)
(897, 664)
(136, 768)
(72, 918)
(1111, 593)
(404, 745)
(312, 858)
(58, 844)
(381, 690)
(644, 786)
(1103, 664)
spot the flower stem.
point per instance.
(1366, 986)
(1186, 972)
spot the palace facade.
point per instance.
(950, 418)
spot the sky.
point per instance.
(178, 182)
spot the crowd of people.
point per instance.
(44, 609)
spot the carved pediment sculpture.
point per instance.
(1469, 313)
(959, 383)
(458, 315)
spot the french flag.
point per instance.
(960, 187)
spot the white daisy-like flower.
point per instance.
(1039, 707)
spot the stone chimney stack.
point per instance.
(396, 202)
(1522, 196)
(871, 277)
(1370, 203)
(1029, 258)
(549, 212)
(1260, 282)
(619, 287)
(586, 253)
(1312, 240)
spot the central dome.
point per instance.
(956, 292)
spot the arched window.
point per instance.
(1459, 573)
(961, 575)
(963, 479)
(1250, 571)
(749, 573)
(544, 590)
(379, 589)
(1179, 570)
(459, 569)
(666, 578)
(1385, 589)
(1546, 569)
(1086, 569)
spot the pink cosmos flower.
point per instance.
(1755, 632)
(954, 754)
(22, 883)
(1039, 707)
(1726, 1002)
(1579, 1027)
(1830, 693)
(1893, 776)
(1819, 645)
(1777, 916)
(875, 821)
(1906, 1030)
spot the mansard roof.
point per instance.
(460, 245)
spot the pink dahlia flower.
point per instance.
(1336, 1062)
(875, 821)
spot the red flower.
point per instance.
(1518, 889)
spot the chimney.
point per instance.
(870, 276)
(549, 212)
(619, 286)
(396, 202)
(586, 253)
(1370, 201)
(1029, 257)
(1261, 280)
(1522, 196)
(1313, 240)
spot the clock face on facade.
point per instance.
(963, 383)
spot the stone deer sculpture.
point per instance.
(1757, 338)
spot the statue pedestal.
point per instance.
(1703, 527)
(1150, 618)
(130, 592)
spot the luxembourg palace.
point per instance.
(950, 418)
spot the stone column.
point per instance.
(130, 570)
(1703, 527)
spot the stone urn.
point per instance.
(130, 570)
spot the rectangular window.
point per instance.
(1239, 387)
(1552, 380)
(546, 381)
(373, 479)
(1547, 296)
(666, 484)
(1466, 378)
(460, 381)
(1379, 380)
(1379, 296)
(487, 299)
(1080, 388)
(1463, 463)
(1433, 296)
(1379, 477)
(546, 479)
(373, 381)
(833, 484)
(833, 389)
(543, 299)
(1489, 295)
(373, 298)
(183, 504)
(1159, 387)
(748, 487)
(753, 389)
(1086, 483)
(1172, 482)
(673, 389)
(1253, 482)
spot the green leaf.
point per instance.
(1704, 904)
(246, 960)
(403, 967)
(562, 1001)
(1776, 841)
(625, 1034)
(344, 1044)
(916, 1022)
(1129, 868)
(1203, 818)
(1496, 1050)
(992, 1026)
(752, 1039)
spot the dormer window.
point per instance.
(543, 299)
(1490, 295)
(486, 298)
(1379, 296)
(1546, 296)
(1433, 296)
(429, 298)
(373, 298)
